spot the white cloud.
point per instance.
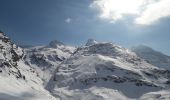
(147, 11)
(154, 12)
(68, 20)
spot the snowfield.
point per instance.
(12, 89)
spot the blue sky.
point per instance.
(37, 22)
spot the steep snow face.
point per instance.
(45, 59)
(104, 71)
(17, 80)
(91, 42)
(153, 57)
(10, 54)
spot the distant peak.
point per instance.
(55, 43)
(142, 47)
(91, 42)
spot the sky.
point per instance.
(125, 22)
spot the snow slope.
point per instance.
(17, 80)
(106, 71)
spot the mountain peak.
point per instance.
(154, 57)
(55, 43)
(91, 42)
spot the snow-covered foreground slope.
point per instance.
(105, 71)
(17, 80)
(29, 89)
(45, 59)
(153, 57)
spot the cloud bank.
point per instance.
(147, 12)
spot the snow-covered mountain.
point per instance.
(45, 59)
(17, 80)
(106, 71)
(96, 71)
(153, 57)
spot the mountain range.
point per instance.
(94, 71)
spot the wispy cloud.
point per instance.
(147, 11)
(68, 20)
